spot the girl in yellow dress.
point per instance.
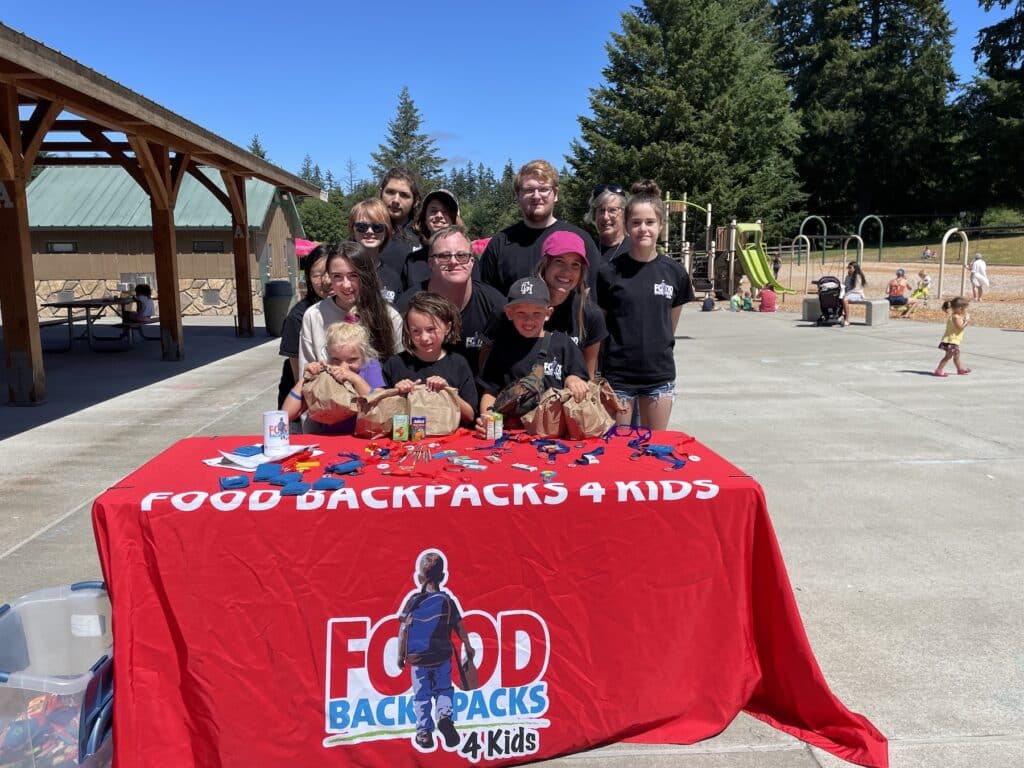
(956, 322)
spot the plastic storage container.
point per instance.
(277, 300)
(56, 678)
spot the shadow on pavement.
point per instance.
(81, 377)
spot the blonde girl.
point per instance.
(955, 325)
(348, 356)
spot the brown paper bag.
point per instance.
(594, 414)
(377, 410)
(328, 400)
(441, 409)
(546, 420)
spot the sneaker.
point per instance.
(447, 729)
(424, 739)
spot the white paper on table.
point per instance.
(230, 460)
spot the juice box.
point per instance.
(494, 423)
(419, 428)
(400, 428)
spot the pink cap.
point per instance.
(478, 246)
(562, 242)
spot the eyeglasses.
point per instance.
(362, 227)
(643, 434)
(531, 191)
(461, 257)
(615, 189)
(609, 210)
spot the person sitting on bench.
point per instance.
(144, 307)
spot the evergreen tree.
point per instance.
(993, 111)
(350, 175)
(692, 99)
(871, 80)
(256, 147)
(406, 145)
(306, 171)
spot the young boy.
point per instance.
(517, 349)
(144, 306)
(427, 621)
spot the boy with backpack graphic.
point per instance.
(428, 619)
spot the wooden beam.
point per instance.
(6, 159)
(194, 171)
(165, 256)
(153, 174)
(235, 186)
(39, 123)
(23, 352)
(82, 146)
(102, 143)
(179, 167)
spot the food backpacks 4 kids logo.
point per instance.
(466, 682)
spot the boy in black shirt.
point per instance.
(516, 351)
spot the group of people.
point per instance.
(406, 300)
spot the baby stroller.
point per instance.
(830, 292)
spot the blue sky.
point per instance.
(493, 81)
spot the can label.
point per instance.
(418, 431)
(400, 428)
(275, 433)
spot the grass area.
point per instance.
(996, 250)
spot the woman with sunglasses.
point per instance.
(440, 210)
(370, 226)
(606, 215)
(642, 294)
(355, 298)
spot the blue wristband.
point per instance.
(291, 393)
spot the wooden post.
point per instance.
(240, 247)
(23, 352)
(163, 179)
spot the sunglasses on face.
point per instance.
(615, 189)
(460, 257)
(362, 227)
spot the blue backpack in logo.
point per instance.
(427, 629)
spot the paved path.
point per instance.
(897, 499)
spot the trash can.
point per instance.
(277, 300)
(56, 678)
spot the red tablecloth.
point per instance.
(624, 600)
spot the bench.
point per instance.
(132, 326)
(62, 320)
(876, 312)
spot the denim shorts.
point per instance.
(627, 393)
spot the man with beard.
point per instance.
(451, 275)
(400, 194)
(514, 252)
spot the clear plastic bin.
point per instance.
(56, 678)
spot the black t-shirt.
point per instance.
(480, 314)
(513, 356)
(453, 368)
(609, 252)
(416, 268)
(390, 283)
(290, 332)
(402, 242)
(565, 319)
(638, 298)
(514, 252)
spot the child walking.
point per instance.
(431, 322)
(349, 357)
(427, 622)
(955, 325)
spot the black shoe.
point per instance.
(424, 739)
(447, 729)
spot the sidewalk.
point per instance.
(896, 498)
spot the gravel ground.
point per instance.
(1002, 307)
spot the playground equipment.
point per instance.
(749, 246)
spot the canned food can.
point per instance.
(275, 433)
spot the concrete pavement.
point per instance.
(896, 498)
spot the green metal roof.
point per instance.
(107, 197)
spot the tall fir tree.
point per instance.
(992, 107)
(256, 147)
(870, 79)
(306, 171)
(407, 145)
(692, 99)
